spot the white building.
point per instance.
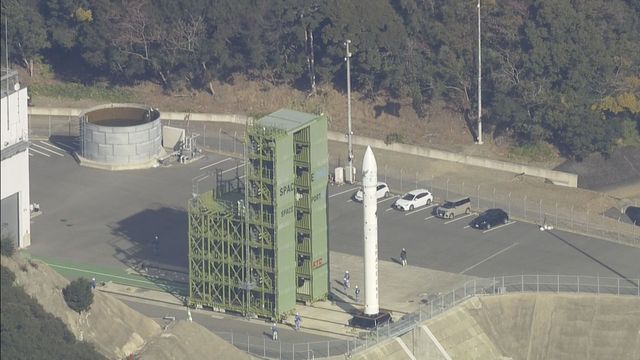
(14, 151)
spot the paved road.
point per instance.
(253, 335)
(109, 218)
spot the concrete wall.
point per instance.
(14, 124)
(557, 177)
(15, 179)
(15, 169)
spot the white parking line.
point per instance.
(424, 208)
(498, 227)
(30, 154)
(387, 199)
(389, 209)
(233, 168)
(47, 149)
(430, 217)
(64, 146)
(51, 145)
(38, 152)
(342, 192)
(215, 163)
(460, 218)
(488, 258)
(468, 226)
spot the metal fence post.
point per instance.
(494, 284)
(235, 135)
(494, 197)
(571, 217)
(522, 283)
(540, 212)
(308, 351)
(248, 347)
(578, 277)
(264, 347)
(447, 196)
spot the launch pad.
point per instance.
(365, 321)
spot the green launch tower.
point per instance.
(258, 246)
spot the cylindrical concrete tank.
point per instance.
(121, 135)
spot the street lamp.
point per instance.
(347, 58)
(479, 140)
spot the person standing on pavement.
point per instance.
(274, 332)
(403, 257)
(156, 243)
(357, 291)
(297, 321)
(93, 283)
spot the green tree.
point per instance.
(26, 35)
(78, 295)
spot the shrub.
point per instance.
(7, 245)
(393, 138)
(78, 295)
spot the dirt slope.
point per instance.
(187, 340)
(115, 329)
(544, 326)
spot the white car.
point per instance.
(382, 191)
(414, 199)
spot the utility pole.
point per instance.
(349, 178)
(479, 140)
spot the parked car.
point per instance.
(453, 208)
(414, 199)
(490, 218)
(382, 191)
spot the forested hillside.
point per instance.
(561, 71)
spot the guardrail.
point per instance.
(431, 306)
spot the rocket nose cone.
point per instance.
(369, 161)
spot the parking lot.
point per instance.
(109, 219)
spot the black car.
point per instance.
(490, 218)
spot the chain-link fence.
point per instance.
(265, 347)
(518, 205)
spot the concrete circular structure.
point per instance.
(120, 136)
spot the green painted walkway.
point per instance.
(72, 270)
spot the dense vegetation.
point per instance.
(78, 295)
(28, 332)
(561, 71)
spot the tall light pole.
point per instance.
(479, 141)
(347, 58)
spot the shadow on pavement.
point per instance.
(592, 258)
(164, 261)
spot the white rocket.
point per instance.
(370, 202)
